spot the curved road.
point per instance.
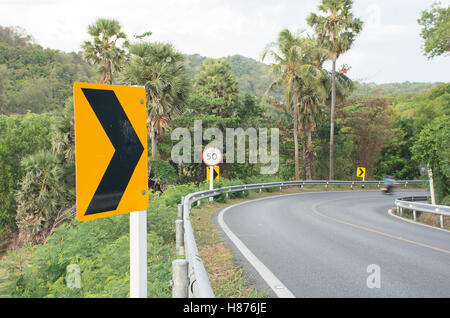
(324, 244)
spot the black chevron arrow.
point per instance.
(128, 149)
(215, 174)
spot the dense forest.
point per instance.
(329, 125)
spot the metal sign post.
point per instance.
(211, 180)
(138, 254)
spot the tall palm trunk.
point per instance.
(107, 77)
(333, 106)
(310, 156)
(304, 155)
(154, 143)
(295, 115)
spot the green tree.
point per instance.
(160, 68)
(4, 85)
(432, 147)
(104, 48)
(20, 136)
(435, 30)
(41, 198)
(336, 32)
(396, 158)
(292, 68)
(215, 79)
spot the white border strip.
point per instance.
(415, 222)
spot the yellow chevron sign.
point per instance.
(215, 174)
(361, 172)
(110, 150)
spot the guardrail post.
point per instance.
(180, 211)
(378, 186)
(414, 214)
(401, 211)
(406, 183)
(326, 186)
(441, 219)
(260, 190)
(301, 187)
(226, 195)
(180, 282)
(179, 237)
(351, 186)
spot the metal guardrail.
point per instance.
(189, 276)
(411, 203)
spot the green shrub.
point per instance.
(20, 136)
(101, 249)
(162, 172)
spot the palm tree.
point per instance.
(336, 32)
(42, 199)
(160, 68)
(310, 113)
(104, 48)
(292, 67)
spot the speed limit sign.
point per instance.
(212, 156)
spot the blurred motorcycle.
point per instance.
(389, 189)
(388, 185)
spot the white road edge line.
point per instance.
(277, 286)
(414, 222)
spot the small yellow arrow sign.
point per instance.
(361, 172)
(215, 174)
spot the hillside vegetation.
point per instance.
(37, 79)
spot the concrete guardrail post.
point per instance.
(180, 211)
(180, 282)
(179, 237)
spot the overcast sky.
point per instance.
(387, 50)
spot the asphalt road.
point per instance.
(325, 244)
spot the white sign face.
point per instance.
(212, 156)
